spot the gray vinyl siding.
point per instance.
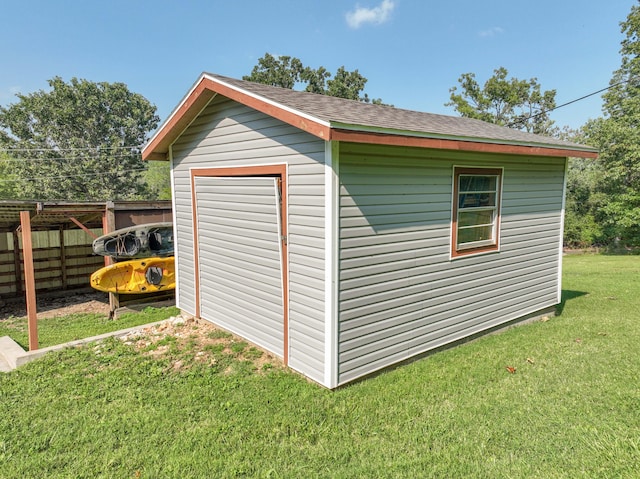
(228, 134)
(240, 257)
(400, 292)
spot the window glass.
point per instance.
(476, 233)
(476, 200)
(477, 183)
(472, 218)
(476, 215)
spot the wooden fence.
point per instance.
(63, 260)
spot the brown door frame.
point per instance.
(277, 171)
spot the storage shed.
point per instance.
(346, 237)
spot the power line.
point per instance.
(84, 175)
(544, 112)
(67, 158)
(95, 148)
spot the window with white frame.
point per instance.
(476, 210)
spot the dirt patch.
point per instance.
(184, 340)
(189, 341)
(51, 306)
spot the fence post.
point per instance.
(29, 279)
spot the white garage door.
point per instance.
(240, 257)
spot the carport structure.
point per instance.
(22, 218)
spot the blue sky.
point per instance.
(411, 51)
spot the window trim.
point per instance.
(485, 246)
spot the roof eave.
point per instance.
(364, 134)
(190, 106)
(207, 87)
(203, 91)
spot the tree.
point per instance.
(79, 141)
(8, 179)
(346, 84)
(158, 180)
(288, 72)
(283, 71)
(616, 195)
(511, 102)
(622, 100)
(316, 79)
(581, 228)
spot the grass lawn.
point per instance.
(58, 330)
(570, 410)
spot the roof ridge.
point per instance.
(340, 119)
(330, 109)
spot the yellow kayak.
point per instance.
(148, 275)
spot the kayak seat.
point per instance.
(126, 245)
(153, 275)
(155, 241)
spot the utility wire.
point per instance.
(84, 175)
(66, 158)
(89, 148)
(544, 112)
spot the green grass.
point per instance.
(571, 409)
(58, 330)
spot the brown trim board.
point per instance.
(459, 145)
(279, 171)
(206, 88)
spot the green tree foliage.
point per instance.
(622, 100)
(8, 179)
(510, 102)
(158, 180)
(316, 79)
(616, 193)
(581, 228)
(283, 71)
(79, 141)
(289, 72)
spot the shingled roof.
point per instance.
(332, 118)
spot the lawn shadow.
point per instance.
(568, 295)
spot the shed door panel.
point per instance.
(240, 256)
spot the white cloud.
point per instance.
(376, 15)
(491, 32)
